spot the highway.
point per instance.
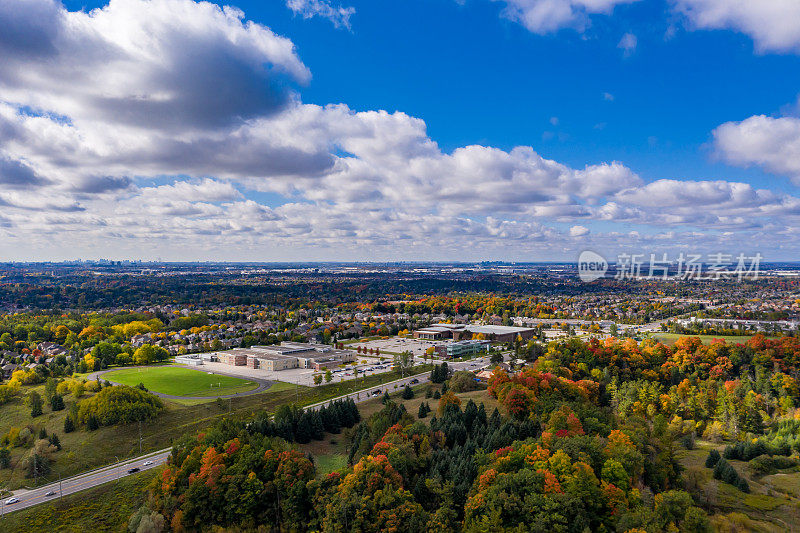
(28, 498)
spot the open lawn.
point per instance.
(670, 338)
(765, 508)
(178, 381)
(103, 508)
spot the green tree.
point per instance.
(5, 457)
(35, 402)
(57, 402)
(147, 354)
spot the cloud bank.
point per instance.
(176, 128)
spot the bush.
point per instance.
(712, 459)
(119, 405)
(688, 441)
(766, 464)
(436, 395)
(8, 392)
(742, 485)
(464, 381)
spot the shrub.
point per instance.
(712, 459)
(8, 392)
(119, 405)
(766, 464)
(464, 381)
(742, 485)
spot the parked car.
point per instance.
(11, 500)
(133, 470)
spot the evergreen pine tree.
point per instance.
(712, 459)
(742, 485)
(422, 413)
(69, 426)
(408, 393)
(317, 429)
(57, 402)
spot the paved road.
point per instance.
(378, 390)
(27, 498)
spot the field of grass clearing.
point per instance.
(178, 381)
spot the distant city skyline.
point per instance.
(423, 130)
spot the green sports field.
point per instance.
(670, 338)
(178, 381)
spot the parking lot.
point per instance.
(394, 345)
(304, 376)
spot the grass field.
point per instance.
(766, 508)
(670, 338)
(104, 508)
(178, 381)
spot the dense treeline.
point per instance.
(294, 424)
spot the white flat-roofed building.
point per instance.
(287, 355)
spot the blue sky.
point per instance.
(478, 78)
(598, 137)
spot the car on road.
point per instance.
(414, 381)
(133, 470)
(147, 463)
(376, 393)
(50, 493)
(11, 500)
